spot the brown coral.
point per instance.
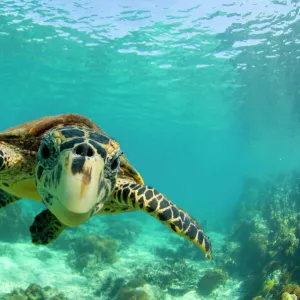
(291, 289)
(36, 292)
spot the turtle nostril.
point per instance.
(84, 150)
(80, 150)
(90, 151)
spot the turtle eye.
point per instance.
(112, 166)
(45, 152)
(114, 163)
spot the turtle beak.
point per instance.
(79, 187)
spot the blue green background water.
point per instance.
(200, 95)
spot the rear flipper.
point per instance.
(45, 228)
(6, 198)
(157, 205)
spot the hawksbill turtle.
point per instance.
(77, 171)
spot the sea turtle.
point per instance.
(77, 170)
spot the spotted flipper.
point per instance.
(6, 198)
(136, 196)
(45, 228)
(113, 206)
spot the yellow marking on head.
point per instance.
(86, 179)
(67, 160)
(25, 188)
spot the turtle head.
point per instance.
(76, 170)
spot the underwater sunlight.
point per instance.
(150, 150)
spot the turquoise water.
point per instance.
(200, 96)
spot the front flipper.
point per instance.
(157, 205)
(6, 198)
(45, 228)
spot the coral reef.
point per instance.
(287, 296)
(109, 287)
(156, 277)
(125, 230)
(264, 244)
(291, 291)
(184, 250)
(173, 276)
(91, 250)
(121, 288)
(135, 283)
(35, 292)
(14, 222)
(132, 294)
(210, 281)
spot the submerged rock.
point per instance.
(132, 294)
(210, 281)
(92, 250)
